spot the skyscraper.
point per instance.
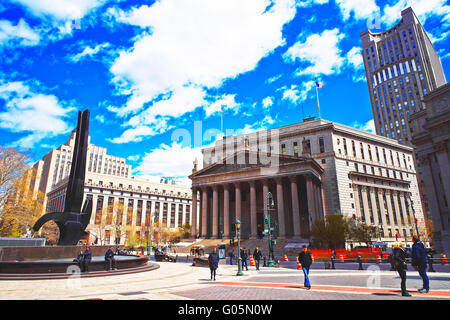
(401, 67)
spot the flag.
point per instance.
(221, 109)
(319, 85)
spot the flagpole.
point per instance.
(221, 121)
(317, 95)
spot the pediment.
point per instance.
(247, 160)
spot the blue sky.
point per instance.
(149, 71)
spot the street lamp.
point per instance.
(270, 206)
(381, 230)
(238, 229)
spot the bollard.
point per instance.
(264, 265)
(430, 263)
(187, 258)
(332, 263)
(360, 263)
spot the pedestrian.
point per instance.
(244, 258)
(87, 257)
(231, 254)
(213, 261)
(79, 260)
(257, 256)
(419, 262)
(399, 262)
(110, 262)
(305, 260)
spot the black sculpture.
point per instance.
(74, 220)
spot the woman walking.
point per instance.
(399, 261)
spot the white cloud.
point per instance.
(195, 43)
(139, 133)
(361, 9)
(61, 9)
(354, 58)
(267, 102)
(297, 94)
(134, 158)
(20, 34)
(369, 126)
(309, 3)
(424, 9)
(170, 161)
(227, 101)
(88, 52)
(320, 51)
(186, 48)
(38, 114)
(273, 79)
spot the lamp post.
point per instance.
(381, 230)
(270, 206)
(238, 229)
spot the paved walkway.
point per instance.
(181, 281)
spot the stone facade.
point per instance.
(432, 143)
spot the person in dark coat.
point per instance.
(244, 258)
(213, 261)
(419, 262)
(79, 260)
(231, 255)
(110, 262)
(305, 260)
(399, 262)
(257, 256)
(87, 257)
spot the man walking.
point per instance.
(244, 258)
(257, 256)
(419, 262)
(305, 260)
(213, 261)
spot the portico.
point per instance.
(230, 191)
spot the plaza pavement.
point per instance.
(181, 281)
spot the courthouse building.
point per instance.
(432, 141)
(123, 205)
(313, 169)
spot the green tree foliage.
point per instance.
(331, 232)
(361, 232)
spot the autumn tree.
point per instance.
(20, 205)
(12, 169)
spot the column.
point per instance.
(444, 168)
(226, 211)
(253, 223)
(204, 211)
(215, 214)
(295, 207)
(265, 192)
(237, 190)
(193, 213)
(280, 208)
(310, 198)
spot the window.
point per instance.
(321, 145)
